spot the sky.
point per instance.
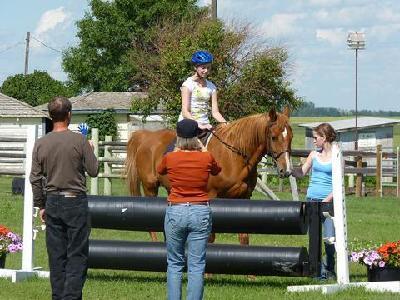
(322, 68)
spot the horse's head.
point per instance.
(279, 137)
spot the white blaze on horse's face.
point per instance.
(287, 158)
(284, 134)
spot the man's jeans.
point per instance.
(191, 225)
(67, 240)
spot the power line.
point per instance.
(10, 47)
(47, 46)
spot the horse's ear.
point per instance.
(286, 111)
(272, 115)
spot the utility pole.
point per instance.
(214, 9)
(28, 37)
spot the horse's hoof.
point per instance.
(251, 277)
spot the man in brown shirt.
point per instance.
(61, 158)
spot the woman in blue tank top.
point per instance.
(319, 162)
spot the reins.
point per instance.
(269, 153)
(232, 148)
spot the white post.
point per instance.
(27, 253)
(94, 182)
(339, 220)
(107, 168)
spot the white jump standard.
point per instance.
(343, 281)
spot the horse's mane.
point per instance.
(247, 133)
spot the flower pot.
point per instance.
(3, 261)
(383, 274)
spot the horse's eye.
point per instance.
(274, 138)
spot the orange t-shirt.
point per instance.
(188, 173)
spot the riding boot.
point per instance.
(328, 266)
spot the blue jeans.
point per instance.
(192, 225)
(327, 224)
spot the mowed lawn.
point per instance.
(370, 221)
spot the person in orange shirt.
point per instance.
(188, 215)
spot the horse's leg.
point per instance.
(211, 238)
(244, 239)
(150, 189)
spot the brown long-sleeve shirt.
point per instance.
(188, 174)
(62, 158)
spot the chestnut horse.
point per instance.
(238, 147)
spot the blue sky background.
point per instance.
(313, 31)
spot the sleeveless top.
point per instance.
(199, 102)
(321, 180)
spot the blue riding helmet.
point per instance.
(202, 57)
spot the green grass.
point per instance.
(370, 221)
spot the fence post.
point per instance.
(27, 253)
(340, 218)
(94, 181)
(398, 173)
(379, 170)
(107, 168)
(359, 177)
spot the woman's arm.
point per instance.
(328, 198)
(214, 108)
(305, 168)
(186, 111)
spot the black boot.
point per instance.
(330, 261)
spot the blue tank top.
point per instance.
(321, 180)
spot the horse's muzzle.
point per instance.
(284, 174)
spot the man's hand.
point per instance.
(83, 129)
(42, 214)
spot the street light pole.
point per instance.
(356, 41)
(214, 9)
(356, 141)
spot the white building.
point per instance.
(15, 116)
(120, 102)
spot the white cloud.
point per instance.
(324, 2)
(383, 32)
(334, 36)
(387, 15)
(50, 19)
(204, 2)
(281, 25)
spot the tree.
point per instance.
(35, 88)
(250, 77)
(107, 34)
(105, 122)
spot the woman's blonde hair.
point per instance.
(191, 144)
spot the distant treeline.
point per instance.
(309, 109)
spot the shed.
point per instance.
(120, 102)
(371, 132)
(15, 116)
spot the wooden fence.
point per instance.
(356, 167)
(12, 162)
(12, 156)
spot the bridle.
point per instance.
(275, 156)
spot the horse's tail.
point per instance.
(132, 175)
